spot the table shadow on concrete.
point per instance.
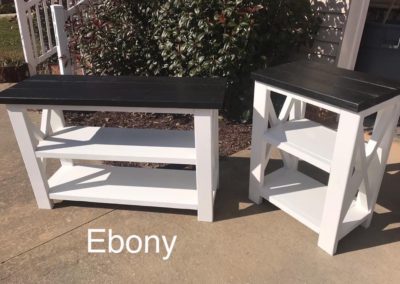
(232, 202)
(385, 225)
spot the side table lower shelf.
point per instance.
(125, 185)
(303, 198)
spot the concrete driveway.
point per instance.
(246, 244)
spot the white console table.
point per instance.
(356, 166)
(121, 185)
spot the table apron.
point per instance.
(103, 108)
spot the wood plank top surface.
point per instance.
(350, 90)
(123, 91)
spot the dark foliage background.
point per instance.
(210, 38)
(7, 7)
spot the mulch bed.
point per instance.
(233, 136)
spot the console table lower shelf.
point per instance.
(126, 185)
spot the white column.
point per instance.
(204, 143)
(258, 159)
(24, 136)
(353, 33)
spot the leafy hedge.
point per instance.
(7, 8)
(228, 38)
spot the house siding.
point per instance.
(328, 40)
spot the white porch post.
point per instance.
(353, 33)
(64, 58)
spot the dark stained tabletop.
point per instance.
(125, 91)
(350, 90)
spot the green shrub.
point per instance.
(205, 38)
(7, 8)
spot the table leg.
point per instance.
(340, 175)
(215, 136)
(204, 143)
(25, 137)
(259, 151)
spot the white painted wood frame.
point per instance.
(39, 39)
(25, 138)
(355, 167)
(183, 189)
(204, 136)
(59, 15)
(26, 10)
(353, 33)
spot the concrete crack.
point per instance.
(52, 239)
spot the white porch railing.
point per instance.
(42, 29)
(43, 34)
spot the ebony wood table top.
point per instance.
(350, 90)
(124, 91)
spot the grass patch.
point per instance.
(10, 41)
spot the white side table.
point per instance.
(184, 189)
(356, 167)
